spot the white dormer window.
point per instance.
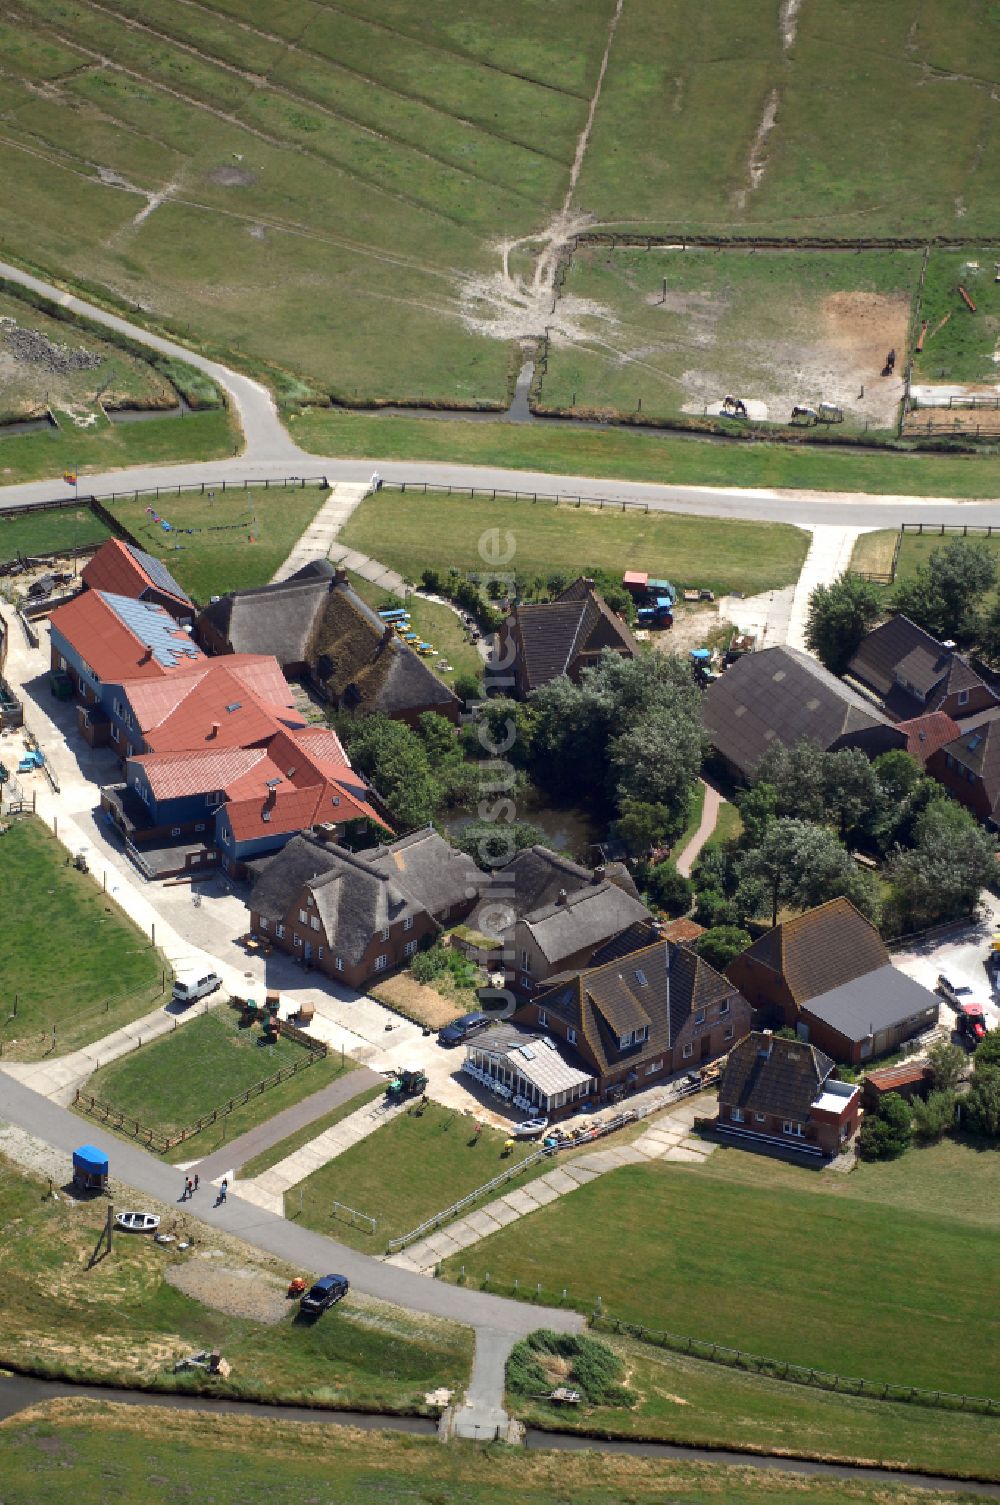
(408, 923)
(385, 933)
(543, 1018)
(303, 917)
(571, 1036)
(624, 1041)
(963, 697)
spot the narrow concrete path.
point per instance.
(829, 556)
(318, 540)
(268, 1189)
(368, 569)
(669, 1138)
(255, 1141)
(711, 806)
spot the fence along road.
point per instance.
(271, 453)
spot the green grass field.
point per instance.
(893, 1308)
(880, 123)
(435, 624)
(409, 1169)
(120, 1321)
(108, 446)
(960, 345)
(240, 536)
(48, 532)
(873, 551)
(630, 455)
(412, 531)
(184, 1075)
(776, 327)
(85, 1453)
(691, 1401)
(51, 913)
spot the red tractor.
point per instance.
(972, 1022)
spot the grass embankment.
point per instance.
(781, 327)
(630, 455)
(74, 1452)
(197, 1067)
(110, 446)
(434, 624)
(412, 532)
(50, 532)
(893, 1308)
(306, 1135)
(69, 959)
(411, 1168)
(122, 1322)
(239, 537)
(959, 345)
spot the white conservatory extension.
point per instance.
(528, 1071)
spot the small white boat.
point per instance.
(529, 1128)
(137, 1222)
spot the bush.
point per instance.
(987, 1056)
(431, 581)
(982, 1106)
(595, 1369)
(886, 1135)
(721, 944)
(933, 1118)
(670, 889)
(468, 687)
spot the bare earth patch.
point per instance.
(232, 177)
(417, 1001)
(237, 1291)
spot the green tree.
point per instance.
(943, 595)
(394, 759)
(492, 843)
(947, 1063)
(852, 793)
(935, 1116)
(987, 1053)
(669, 889)
(804, 865)
(641, 826)
(468, 687)
(981, 1106)
(721, 944)
(886, 1134)
(951, 860)
(657, 760)
(798, 776)
(758, 807)
(440, 739)
(839, 616)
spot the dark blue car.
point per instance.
(459, 1030)
(327, 1291)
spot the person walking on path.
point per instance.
(188, 1188)
(223, 1189)
(184, 1193)
(197, 1180)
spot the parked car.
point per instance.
(327, 1291)
(460, 1030)
(189, 990)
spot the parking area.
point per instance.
(960, 954)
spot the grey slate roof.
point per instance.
(534, 877)
(782, 694)
(358, 893)
(585, 919)
(978, 751)
(876, 1001)
(768, 1074)
(558, 637)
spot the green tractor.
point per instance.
(406, 1084)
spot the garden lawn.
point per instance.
(179, 1078)
(69, 959)
(692, 1401)
(240, 537)
(121, 1322)
(915, 550)
(435, 624)
(411, 532)
(50, 532)
(108, 446)
(631, 455)
(864, 1291)
(727, 827)
(411, 1168)
(74, 1452)
(959, 344)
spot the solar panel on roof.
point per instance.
(157, 571)
(527, 1052)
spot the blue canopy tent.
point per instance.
(90, 1168)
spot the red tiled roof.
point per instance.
(115, 568)
(681, 930)
(218, 711)
(925, 734)
(173, 775)
(112, 650)
(295, 791)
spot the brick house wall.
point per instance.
(823, 1131)
(765, 990)
(969, 792)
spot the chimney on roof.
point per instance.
(147, 653)
(768, 1045)
(216, 728)
(599, 874)
(949, 645)
(561, 897)
(272, 795)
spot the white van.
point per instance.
(190, 989)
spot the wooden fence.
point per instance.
(798, 1374)
(126, 1124)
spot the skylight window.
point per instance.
(272, 783)
(640, 977)
(237, 705)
